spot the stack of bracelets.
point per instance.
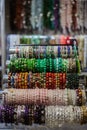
(45, 96)
(61, 40)
(45, 51)
(51, 116)
(72, 80)
(44, 65)
(43, 82)
(27, 115)
(58, 115)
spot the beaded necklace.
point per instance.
(27, 15)
(57, 14)
(48, 14)
(74, 17)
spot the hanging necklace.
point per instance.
(74, 17)
(48, 14)
(37, 15)
(28, 15)
(57, 14)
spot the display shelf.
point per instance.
(83, 78)
(41, 95)
(44, 45)
(35, 127)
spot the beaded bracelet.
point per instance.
(43, 80)
(55, 96)
(23, 114)
(55, 114)
(43, 65)
(79, 96)
(29, 80)
(39, 114)
(46, 51)
(72, 80)
(84, 109)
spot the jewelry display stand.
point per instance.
(17, 50)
